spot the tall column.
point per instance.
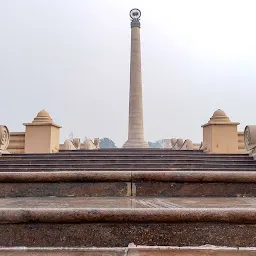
(136, 128)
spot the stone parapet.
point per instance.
(17, 143)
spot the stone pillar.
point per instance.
(136, 128)
(42, 135)
(220, 134)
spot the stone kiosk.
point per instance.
(42, 135)
(220, 134)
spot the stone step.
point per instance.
(122, 169)
(120, 154)
(120, 161)
(135, 150)
(131, 250)
(113, 222)
(130, 165)
(128, 183)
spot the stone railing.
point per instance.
(250, 139)
(4, 139)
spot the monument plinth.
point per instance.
(136, 128)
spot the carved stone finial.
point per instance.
(4, 138)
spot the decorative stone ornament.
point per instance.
(4, 138)
(179, 144)
(250, 137)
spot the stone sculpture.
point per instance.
(4, 139)
(179, 144)
(97, 142)
(250, 138)
(89, 145)
(187, 145)
(76, 144)
(72, 144)
(173, 142)
(202, 147)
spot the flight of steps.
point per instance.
(89, 200)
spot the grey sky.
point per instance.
(71, 57)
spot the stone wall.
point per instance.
(241, 146)
(17, 143)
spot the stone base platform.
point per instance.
(135, 144)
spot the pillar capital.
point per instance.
(135, 15)
(135, 24)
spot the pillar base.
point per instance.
(135, 144)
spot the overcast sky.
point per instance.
(71, 57)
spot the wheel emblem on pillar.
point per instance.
(135, 14)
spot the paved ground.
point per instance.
(125, 202)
